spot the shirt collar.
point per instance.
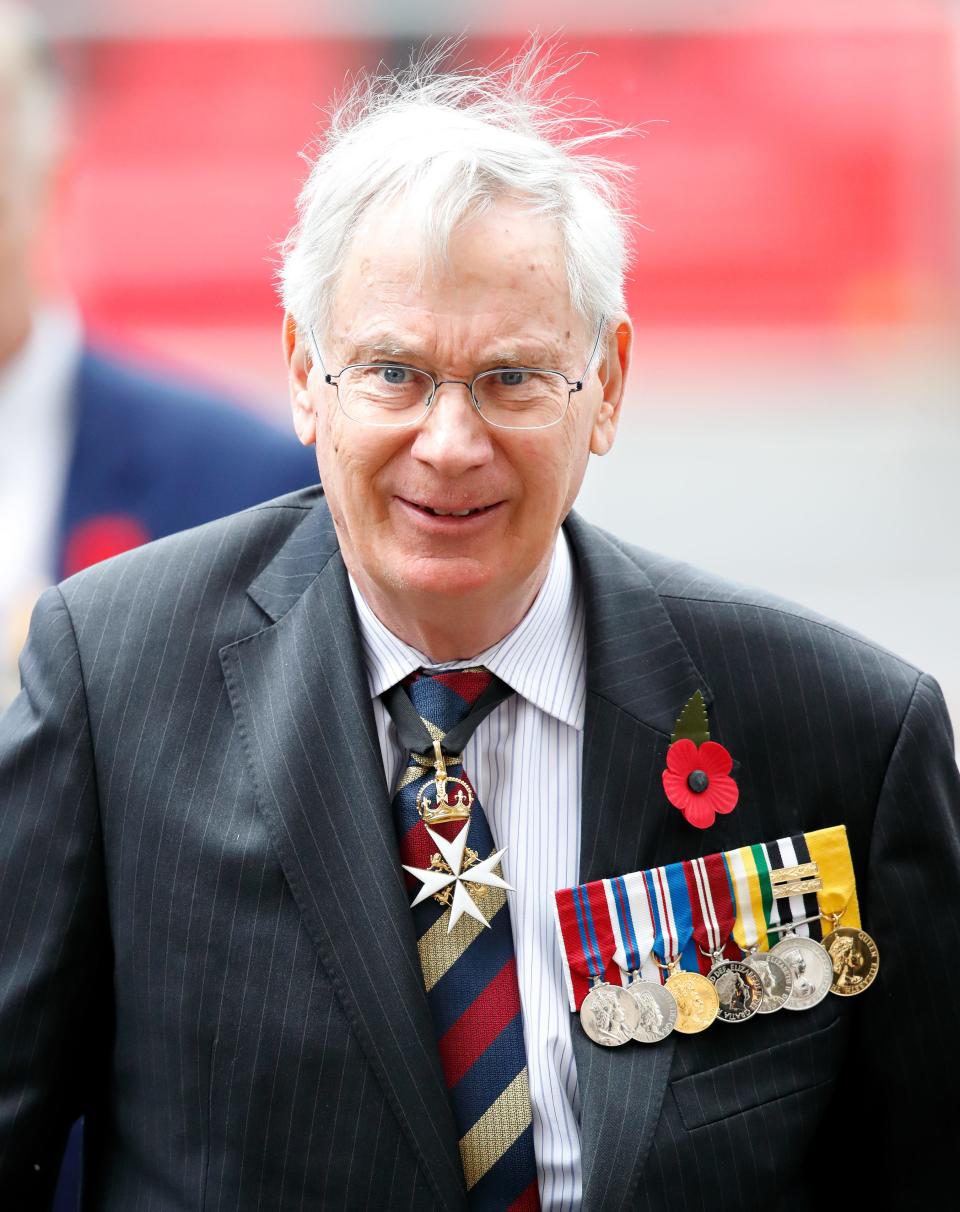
(543, 658)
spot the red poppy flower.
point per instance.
(697, 781)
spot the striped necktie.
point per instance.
(470, 972)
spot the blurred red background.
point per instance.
(799, 177)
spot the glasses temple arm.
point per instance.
(593, 352)
(316, 349)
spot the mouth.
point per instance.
(435, 511)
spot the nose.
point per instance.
(453, 437)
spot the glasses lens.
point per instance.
(380, 394)
(522, 399)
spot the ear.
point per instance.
(613, 375)
(299, 365)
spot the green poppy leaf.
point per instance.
(692, 723)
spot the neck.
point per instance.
(457, 629)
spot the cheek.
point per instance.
(353, 468)
(558, 474)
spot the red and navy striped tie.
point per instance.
(471, 976)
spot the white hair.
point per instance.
(451, 143)
(31, 103)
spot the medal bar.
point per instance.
(721, 922)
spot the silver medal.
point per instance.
(609, 1015)
(739, 989)
(657, 1008)
(811, 968)
(776, 976)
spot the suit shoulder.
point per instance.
(739, 616)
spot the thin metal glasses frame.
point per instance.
(574, 385)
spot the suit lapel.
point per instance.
(302, 703)
(639, 675)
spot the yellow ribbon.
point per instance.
(747, 899)
(830, 850)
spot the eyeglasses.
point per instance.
(392, 395)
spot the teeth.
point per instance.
(451, 513)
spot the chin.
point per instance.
(447, 577)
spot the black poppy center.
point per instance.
(697, 781)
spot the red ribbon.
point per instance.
(709, 887)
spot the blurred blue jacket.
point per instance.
(152, 457)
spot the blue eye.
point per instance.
(396, 376)
(512, 378)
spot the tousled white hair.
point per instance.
(450, 142)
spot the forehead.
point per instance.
(503, 274)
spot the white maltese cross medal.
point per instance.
(450, 871)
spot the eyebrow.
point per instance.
(397, 351)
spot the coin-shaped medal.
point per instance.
(855, 960)
(697, 1001)
(811, 968)
(776, 976)
(658, 1011)
(739, 990)
(609, 1015)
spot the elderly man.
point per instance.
(250, 764)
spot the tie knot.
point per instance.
(445, 699)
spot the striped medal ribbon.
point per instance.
(608, 1014)
(631, 915)
(798, 912)
(695, 995)
(795, 920)
(738, 986)
(464, 936)
(753, 901)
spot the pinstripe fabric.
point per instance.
(205, 943)
(533, 739)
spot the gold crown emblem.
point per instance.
(441, 809)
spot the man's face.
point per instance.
(502, 297)
(22, 196)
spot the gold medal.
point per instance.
(697, 1002)
(855, 959)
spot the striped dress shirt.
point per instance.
(524, 761)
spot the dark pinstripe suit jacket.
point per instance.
(205, 944)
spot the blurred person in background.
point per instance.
(96, 456)
(211, 782)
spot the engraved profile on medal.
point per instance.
(739, 990)
(854, 959)
(651, 1020)
(609, 1015)
(731, 991)
(848, 961)
(771, 977)
(801, 982)
(776, 977)
(697, 1001)
(658, 1011)
(690, 1003)
(811, 968)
